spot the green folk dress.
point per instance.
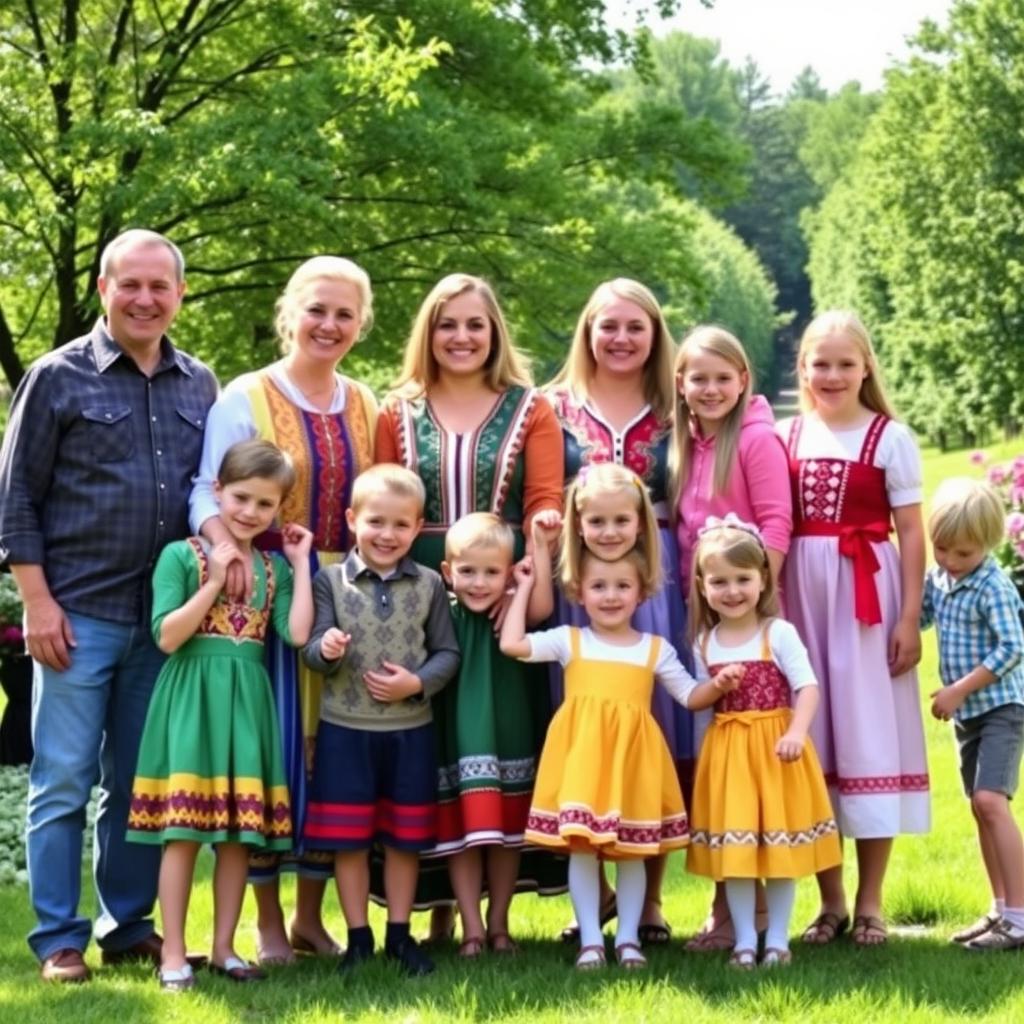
(210, 764)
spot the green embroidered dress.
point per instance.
(210, 764)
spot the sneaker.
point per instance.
(409, 956)
(1001, 937)
(975, 929)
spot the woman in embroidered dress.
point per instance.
(325, 422)
(210, 768)
(856, 601)
(614, 398)
(465, 417)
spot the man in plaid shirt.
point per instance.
(103, 438)
(976, 611)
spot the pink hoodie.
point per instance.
(758, 490)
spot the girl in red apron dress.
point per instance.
(855, 600)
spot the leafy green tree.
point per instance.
(924, 230)
(418, 137)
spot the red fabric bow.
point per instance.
(855, 543)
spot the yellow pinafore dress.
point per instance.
(755, 815)
(606, 782)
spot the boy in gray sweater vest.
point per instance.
(383, 639)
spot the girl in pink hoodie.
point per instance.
(725, 457)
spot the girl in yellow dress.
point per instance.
(606, 784)
(760, 805)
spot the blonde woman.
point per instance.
(325, 422)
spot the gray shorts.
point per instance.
(990, 749)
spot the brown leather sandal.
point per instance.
(825, 928)
(502, 943)
(594, 964)
(629, 956)
(470, 948)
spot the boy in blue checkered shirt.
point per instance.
(976, 611)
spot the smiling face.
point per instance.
(609, 524)
(248, 507)
(833, 368)
(710, 386)
(731, 591)
(141, 295)
(385, 526)
(610, 593)
(461, 339)
(478, 576)
(325, 322)
(621, 336)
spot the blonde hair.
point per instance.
(742, 550)
(478, 530)
(966, 509)
(600, 479)
(844, 322)
(390, 478)
(578, 369)
(506, 365)
(260, 459)
(321, 268)
(716, 341)
(634, 557)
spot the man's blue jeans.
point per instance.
(86, 726)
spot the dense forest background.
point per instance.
(527, 141)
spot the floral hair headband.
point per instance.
(730, 521)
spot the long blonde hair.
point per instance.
(845, 322)
(742, 549)
(718, 342)
(578, 369)
(506, 365)
(600, 479)
(321, 268)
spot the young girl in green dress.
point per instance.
(210, 765)
(491, 736)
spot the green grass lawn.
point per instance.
(935, 883)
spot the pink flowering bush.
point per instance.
(1008, 480)
(12, 640)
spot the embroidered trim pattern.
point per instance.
(773, 837)
(610, 828)
(870, 785)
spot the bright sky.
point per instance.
(840, 39)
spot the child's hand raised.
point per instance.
(221, 556)
(392, 683)
(334, 643)
(296, 542)
(790, 746)
(522, 573)
(728, 678)
(546, 527)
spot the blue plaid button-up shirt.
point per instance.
(96, 469)
(978, 622)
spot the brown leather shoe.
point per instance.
(146, 951)
(66, 965)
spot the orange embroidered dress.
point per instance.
(210, 766)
